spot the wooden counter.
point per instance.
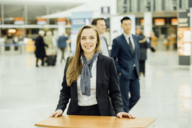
(72, 121)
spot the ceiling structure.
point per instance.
(35, 8)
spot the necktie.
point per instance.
(131, 45)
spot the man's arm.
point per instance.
(43, 42)
(59, 41)
(114, 54)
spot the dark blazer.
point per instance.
(40, 47)
(124, 59)
(143, 47)
(107, 90)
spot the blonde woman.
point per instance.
(49, 42)
(90, 80)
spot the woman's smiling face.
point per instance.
(88, 40)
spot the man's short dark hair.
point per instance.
(125, 18)
(94, 21)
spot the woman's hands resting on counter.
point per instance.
(124, 114)
(119, 115)
(56, 113)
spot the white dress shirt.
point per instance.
(127, 39)
(104, 48)
(84, 100)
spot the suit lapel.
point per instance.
(74, 87)
(99, 70)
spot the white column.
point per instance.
(191, 37)
(147, 23)
(0, 74)
(26, 14)
(2, 49)
(47, 11)
(23, 32)
(2, 14)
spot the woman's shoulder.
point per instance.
(68, 62)
(105, 58)
(69, 59)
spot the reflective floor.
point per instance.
(29, 94)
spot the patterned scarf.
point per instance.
(86, 74)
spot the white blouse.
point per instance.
(84, 100)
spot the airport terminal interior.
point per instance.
(29, 94)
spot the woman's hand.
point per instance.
(57, 113)
(124, 114)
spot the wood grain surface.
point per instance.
(72, 121)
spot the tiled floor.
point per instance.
(29, 94)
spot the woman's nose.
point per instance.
(87, 41)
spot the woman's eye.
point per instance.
(83, 38)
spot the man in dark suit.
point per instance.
(125, 52)
(99, 23)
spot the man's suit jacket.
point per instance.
(62, 42)
(124, 59)
(106, 86)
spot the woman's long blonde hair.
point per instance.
(75, 65)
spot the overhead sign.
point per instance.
(41, 21)
(61, 21)
(159, 21)
(19, 20)
(142, 22)
(174, 21)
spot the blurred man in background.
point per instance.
(99, 23)
(144, 45)
(62, 44)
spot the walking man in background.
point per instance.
(62, 44)
(99, 23)
(125, 52)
